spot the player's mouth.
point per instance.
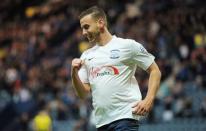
(90, 38)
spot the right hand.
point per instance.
(77, 63)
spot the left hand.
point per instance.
(142, 107)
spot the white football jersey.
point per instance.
(110, 71)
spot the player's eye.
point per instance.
(86, 27)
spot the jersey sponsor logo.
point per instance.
(115, 54)
(104, 70)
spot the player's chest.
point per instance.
(104, 57)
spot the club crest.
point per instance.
(115, 54)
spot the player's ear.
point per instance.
(101, 23)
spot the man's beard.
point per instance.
(94, 37)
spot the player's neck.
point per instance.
(105, 38)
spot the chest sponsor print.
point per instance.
(103, 71)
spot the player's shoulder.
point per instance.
(126, 41)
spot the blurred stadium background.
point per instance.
(39, 38)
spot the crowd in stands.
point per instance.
(39, 39)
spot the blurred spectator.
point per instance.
(42, 121)
(203, 108)
(168, 114)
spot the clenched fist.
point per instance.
(77, 63)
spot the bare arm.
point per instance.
(81, 89)
(154, 81)
(145, 105)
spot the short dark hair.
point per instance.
(96, 13)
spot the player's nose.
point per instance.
(84, 32)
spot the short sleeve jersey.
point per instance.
(110, 71)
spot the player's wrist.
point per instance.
(74, 70)
(150, 98)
